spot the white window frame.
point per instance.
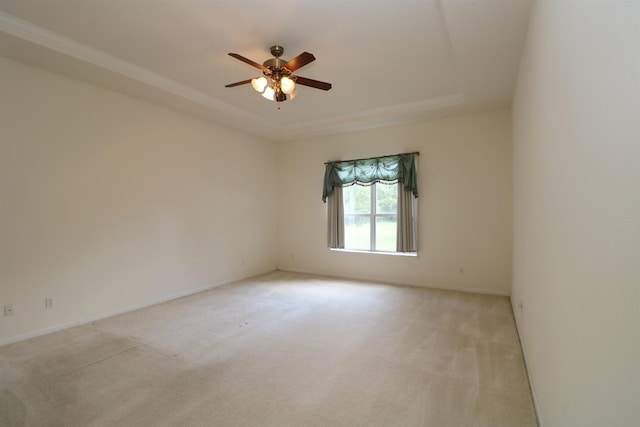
(372, 215)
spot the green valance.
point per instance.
(387, 169)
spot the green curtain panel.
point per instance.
(399, 167)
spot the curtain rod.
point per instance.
(371, 158)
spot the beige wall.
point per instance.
(577, 212)
(109, 203)
(464, 204)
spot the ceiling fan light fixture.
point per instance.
(287, 85)
(259, 84)
(293, 93)
(269, 93)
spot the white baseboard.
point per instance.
(127, 309)
(532, 387)
(399, 283)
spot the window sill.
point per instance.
(357, 251)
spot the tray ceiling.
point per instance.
(389, 62)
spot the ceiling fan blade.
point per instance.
(248, 61)
(299, 61)
(244, 82)
(313, 83)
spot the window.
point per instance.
(371, 204)
(370, 217)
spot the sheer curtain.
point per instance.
(406, 231)
(335, 219)
(398, 168)
(406, 237)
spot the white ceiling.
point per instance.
(389, 61)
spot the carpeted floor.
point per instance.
(281, 350)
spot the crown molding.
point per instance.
(32, 33)
(251, 123)
(371, 119)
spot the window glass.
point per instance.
(370, 217)
(357, 199)
(386, 229)
(357, 232)
(386, 199)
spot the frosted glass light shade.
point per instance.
(259, 84)
(269, 93)
(287, 85)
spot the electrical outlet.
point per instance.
(49, 302)
(8, 310)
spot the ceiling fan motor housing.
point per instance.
(275, 63)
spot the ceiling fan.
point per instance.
(278, 83)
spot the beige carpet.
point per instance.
(281, 349)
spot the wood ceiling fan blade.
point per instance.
(313, 83)
(299, 61)
(244, 82)
(248, 61)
